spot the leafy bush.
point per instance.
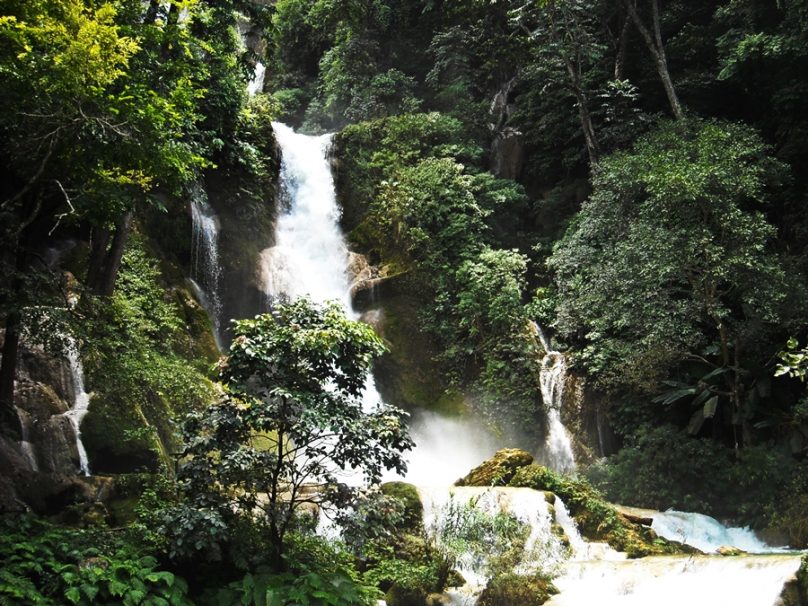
(43, 564)
(657, 469)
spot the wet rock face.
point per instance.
(44, 392)
(498, 470)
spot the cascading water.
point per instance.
(256, 84)
(81, 401)
(309, 256)
(468, 514)
(558, 446)
(705, 533)
(205, 266)
(26, 445)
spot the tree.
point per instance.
(669, 261)
(566, 33)
(290, 424)
(657, 49)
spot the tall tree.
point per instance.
(670, 261)
(652, 36)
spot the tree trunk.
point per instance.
(114, 256)
(8, 370)
(657, 50)
(11, 343)
(622, 48)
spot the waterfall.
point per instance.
(81, 401)
(467, 516)
(310, 256)
(256, 84)
(26, 445)
(585, 572)
(558, 445)
(205, 267)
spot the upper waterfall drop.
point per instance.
(558, 445)
(310, 256)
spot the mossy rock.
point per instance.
(405, 596)
(202, 342)
(597, 519)
(517, 590)
(407, 376)
(408, 495)
(499, 469)
(118, 438)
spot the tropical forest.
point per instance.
(403, 302)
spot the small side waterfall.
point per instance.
(558, 445)
(256, 84)
(26, 445)
(205, 267)
(81, 402)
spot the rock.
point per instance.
(408, 495)
(52, 493)
(405, 596)
(516, 590)
(455, 579)
(729, 550)
(636, 514)
(507, 153)
(438, 599)
(498, 470)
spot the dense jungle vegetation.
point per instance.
(629, 175)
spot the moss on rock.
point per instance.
(408, 495)
(498, 470)
(517, 590)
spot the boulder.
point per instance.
(729, 550)
(408, 495)
(516, 590)
(498, 470)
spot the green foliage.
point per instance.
(793, 361)
(139, 360)
(43, 564)
(656, 470)
(670, 262)
(291, 418)
(304, 588)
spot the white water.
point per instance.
(256, 84)
(81, 401)
(309, 256)
(26, 445)
(446, 449)
(444, 508)
(676, 581)
(558, 445)
(205, 267)
(705, 533)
